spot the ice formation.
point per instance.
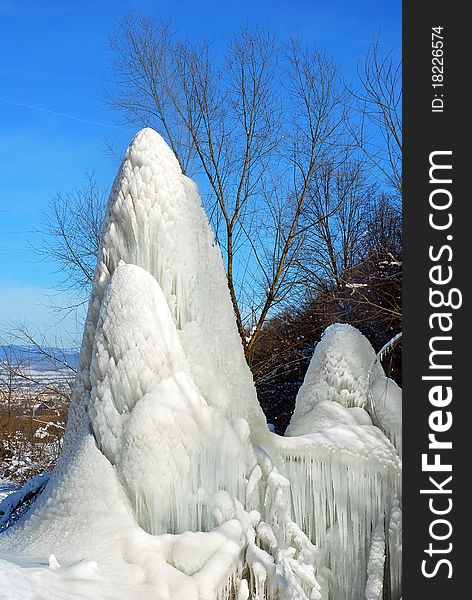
(387, 408)
(351, 468)
(345, 383)
(170, 485)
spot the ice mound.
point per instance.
(170, 485)
(386, 399)
(155, 220)
(336, 386)
(345, 382)
(354, 471)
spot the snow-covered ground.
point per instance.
(170, 484)
(6, 488)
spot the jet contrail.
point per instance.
(60, 115)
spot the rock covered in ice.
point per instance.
(156, 445)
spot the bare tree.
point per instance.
(285, 157)
(73, 229)
(33, 408)
(378, 124)
(255, 128)
(361, 281)
(340, 201)
(10, 365)
(374, 282)
(266, 132)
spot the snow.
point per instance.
(12, 498)
(170, 484)
(6, 488)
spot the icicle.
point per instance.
(384, 398)
(340, 487)
(243, 590)
(395, 551)
(375, 566)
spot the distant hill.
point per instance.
(40, 361)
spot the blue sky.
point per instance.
(53, 68)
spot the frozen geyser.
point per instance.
(170, 485)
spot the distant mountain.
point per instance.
(50, 359)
